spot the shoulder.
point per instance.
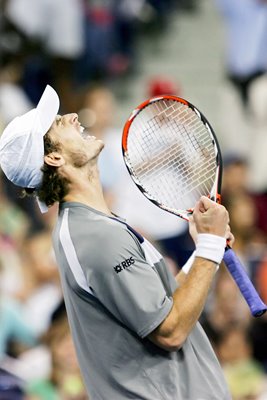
(92, 231)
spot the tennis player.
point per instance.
(134, 325)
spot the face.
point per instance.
(77, 147)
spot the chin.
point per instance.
(102, 144)
(99, 145)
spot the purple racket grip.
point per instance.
(256, 305)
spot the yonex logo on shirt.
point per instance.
(124, 264)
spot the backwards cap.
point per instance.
(21, 143)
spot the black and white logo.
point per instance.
(124, 264)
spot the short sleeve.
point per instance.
(124, 282)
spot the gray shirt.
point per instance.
(117, 290)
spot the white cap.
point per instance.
(21, 144)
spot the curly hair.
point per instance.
(54, 187)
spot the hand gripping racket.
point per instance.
(173, 156)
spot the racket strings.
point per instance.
(171, 154)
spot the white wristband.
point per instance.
(211, 247)
(189, 263)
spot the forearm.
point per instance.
(181, 276)
(188, 303)
(192, 296)
(210, 221)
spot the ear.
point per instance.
(54, 159)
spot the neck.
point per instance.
(86, 188)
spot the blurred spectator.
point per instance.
(13, 228)
(99, 38)
(126, 20)
(236, 183)
(112, 30)
(59, 44)
(25, 206)
(110, 33)
(15, 48)
(244, 66)
(42, 291)
(13, 100)
(12, 274)
(260, 200)
(250, 242)
(11, 387)
(258, 335)
(225, 307)
(244, 375)
(160, 85)
(259, 326)
(13, 326)
(261, 279)
(159, 11)
(13, 222)
(235, 175)
(65, 381)
(257, 156)
(15, 335)
(244, 99)
(243, 217)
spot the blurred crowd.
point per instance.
(79, 47)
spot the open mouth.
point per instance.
(85, 135)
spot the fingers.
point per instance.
(192, 228)
(200, 205)
(211, 217)
(205, 203)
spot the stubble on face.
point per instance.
(79, 159)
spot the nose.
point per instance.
(73, 118)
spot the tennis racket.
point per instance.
(173, 157)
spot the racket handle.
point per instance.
(256, 305)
